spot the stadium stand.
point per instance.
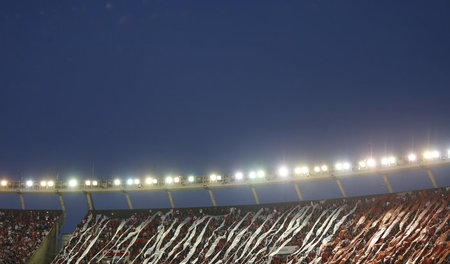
(410, 227)
(22, 232)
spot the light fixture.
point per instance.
(176, 179)
(362, 164)
(371, 163)
(43, 183)
(305, 170)
(283, 171)
(4, 183)
(117, 182)
(191, 179)
(219, 177)
(87, 183)
(317, 169)
(324, 167)
(261, 174)
(169, 180)
(346, 166)
(412, 157)
(148, 180)
(50, 183)
(72, 183)
(130, 181)
(298, 170)
(213, 177)
(339, 166)
(94, 183)
(238, 175)
(252, 175)
(29, 183)
(137, 181)
(155, 181)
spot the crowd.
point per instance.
(22, 231)
(394, 228)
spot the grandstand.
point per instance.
(407, 227)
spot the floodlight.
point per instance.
(371, 163)
(317, 169)
(213, 177)
(87, 183)
(50, 183)
(130, 181)
(191, 179)
(117, 182)
(298, 170)
(148, 180)
(346, 166)
(176, 179)
(362, 164)
(155, 181)
(169, 180)
(435, 154)
(305, 170)
(339, 166)
(283, 171)
(385, 161)
(43, 183)
(324, 168)
(72, 183)
(427, 155)
(261, 174)
(137, 181)
(239, 175)
(94, 183)
(412, 157)
(29, 183)
(252, 175)
(4, 183)
(219, 177)
(392, 160)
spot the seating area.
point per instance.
(22, 231)
(408, 227)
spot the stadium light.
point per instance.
(191, 179)
(305, 170)
(435, 154)
(316, 169)
(261, 174)
(4, 183)
(117, 182)
(219, 177)
(87, 183)
(324, 168)
(169, 180)
(298, 170)
(43, 183)
(239, 176)
(148, 180)
(283, 171)
(412, 157)
(431, 154)
(176, 179)
(362, 164)
(252, 175)
(29, 183)
(137, 181)
(94, 183)
(50, 183)
(339, 166)
(371, 163)
(72, 183)
(346, 166)
(213, 177)
(130, 181)
(155, 181)
(388, 161)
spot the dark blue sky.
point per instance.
(194, 86)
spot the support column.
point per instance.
(431, 178)
(130, 205)
(22, 201)
(255, 195)
(388, 184)
(63, 206)
(90, 202)
(213, 200)
(341, 188)
(299, 194)
(171, 199)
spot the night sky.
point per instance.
(186, 87)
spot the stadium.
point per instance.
(389, 227)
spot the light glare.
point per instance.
(72, 183)
(412, 157)
(283, 171)
(191, 179)
(239, 175)
(261, 174)
(117, 182)
(4, 183)
(324, 168)
(29, 183)
(169, 180)
(51, 183)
